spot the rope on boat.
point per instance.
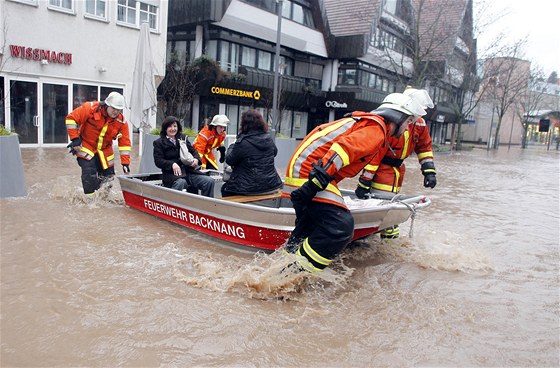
(411, 208)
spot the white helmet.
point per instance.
(403, 103)
(115, 100)
(421, 96)
(220, 120)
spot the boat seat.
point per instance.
(253, 198)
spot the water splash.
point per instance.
(68, 189)
(441, 250)
(266, 276)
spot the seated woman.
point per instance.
(252, 159)
(177, 175)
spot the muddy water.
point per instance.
(98, 284)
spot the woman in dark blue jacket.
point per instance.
(252, 159)
(175, 174)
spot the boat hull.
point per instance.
(265, 224)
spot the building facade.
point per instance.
(57, 54)
(336, 56)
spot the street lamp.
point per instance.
(275, 92)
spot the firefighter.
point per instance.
(210, 137)
(330, 153)
(92, 127)
(389, 176)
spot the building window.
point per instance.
(135, 12)
(65, 5)
(390, 6)
(27, 2)
(265, 60)
(249, 57)
(297, 13)
(347, 77)
(288, 65)
(97, 8)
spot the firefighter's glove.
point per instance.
(430, 180)
(126, 169)
(303, 195)
(222, 151)
(429, 172)
(319, 176)
(361, 192)
(76, 142)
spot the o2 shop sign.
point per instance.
(336, 104)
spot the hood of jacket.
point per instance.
(259, 140)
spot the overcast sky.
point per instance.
(532, 18)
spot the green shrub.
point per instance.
(4, 131)
(189, 132)
(186, 131)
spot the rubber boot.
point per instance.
(390, 232)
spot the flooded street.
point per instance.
(103, 285)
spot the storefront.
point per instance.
(36, 106)
(58, 55)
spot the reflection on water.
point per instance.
(93, 283)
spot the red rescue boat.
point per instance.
(261, 221)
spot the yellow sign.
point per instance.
(236, 92)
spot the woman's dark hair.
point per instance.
(252, 121)
(167, 122)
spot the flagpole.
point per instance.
(277, 65)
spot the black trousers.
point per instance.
(328, 229)
(93, 173)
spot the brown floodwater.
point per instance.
(102, 285)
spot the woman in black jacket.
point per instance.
(177, 175)
(252, 159)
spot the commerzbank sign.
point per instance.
(255, 95)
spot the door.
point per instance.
(38, 112)
(54, 110)
(24, 99)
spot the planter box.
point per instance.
(12, 181)
(286, 148)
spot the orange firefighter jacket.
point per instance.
(206, 140)
(97, 130)
(390, 174)
(345, 146)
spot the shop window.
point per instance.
(106, 90)
(97, 8)
(232, 112)
(134, 12)
(82, 93)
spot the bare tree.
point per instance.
(182, 80)
(509, 83)
(529, 102)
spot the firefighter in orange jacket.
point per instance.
(330, 153)
(92, 127)
(210, 137)
(389, 175)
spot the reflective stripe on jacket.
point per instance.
(389, 176)
(206, 140)
(97, 131)
(348, 144)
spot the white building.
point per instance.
(57, 54)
